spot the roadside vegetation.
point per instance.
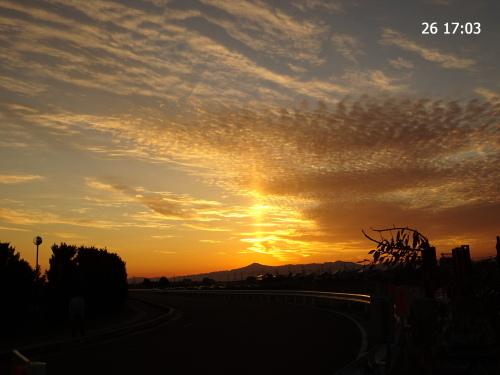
(29, 298)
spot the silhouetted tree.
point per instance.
(147, 283)
(62, 278)
(405, 247)
(268, 278)
(17, 282)
(163, 282)
(251, 280)
(100, 276)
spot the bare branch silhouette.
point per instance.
(405, 247)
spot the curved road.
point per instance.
(222, 337)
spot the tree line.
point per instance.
(96, 274)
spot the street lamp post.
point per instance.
(37, 241)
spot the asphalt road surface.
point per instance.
(222, 337)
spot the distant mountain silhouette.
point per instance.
(256, 269)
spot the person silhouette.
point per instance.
(77, 314)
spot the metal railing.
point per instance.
(329, 296)
(347, 301)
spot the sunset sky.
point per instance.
(191, 136)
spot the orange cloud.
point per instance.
(16, 179)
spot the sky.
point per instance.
(191, 136)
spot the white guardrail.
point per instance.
(299, 296)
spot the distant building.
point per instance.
(446, 260)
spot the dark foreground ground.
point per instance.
(222, 337)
